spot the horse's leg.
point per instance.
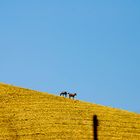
(73, 97)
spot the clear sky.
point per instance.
(91, 47)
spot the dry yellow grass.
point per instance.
(30, 115)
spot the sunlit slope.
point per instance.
(30, 115)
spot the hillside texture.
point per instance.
(30, 115)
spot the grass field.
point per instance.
(31, 115)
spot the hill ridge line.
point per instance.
(54, 95)
(32, 115)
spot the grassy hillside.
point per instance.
(30, 115)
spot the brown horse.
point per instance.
(72, 95)
(64, 93)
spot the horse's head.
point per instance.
(75, 94)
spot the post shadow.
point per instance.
(95, 127)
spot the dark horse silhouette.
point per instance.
(72, 95)
(64, 93)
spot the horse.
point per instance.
(64, 93)
(72, 95)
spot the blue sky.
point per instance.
(89, 47)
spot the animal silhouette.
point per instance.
(64, 93)
(71, 95)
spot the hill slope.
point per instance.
(30, 115)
